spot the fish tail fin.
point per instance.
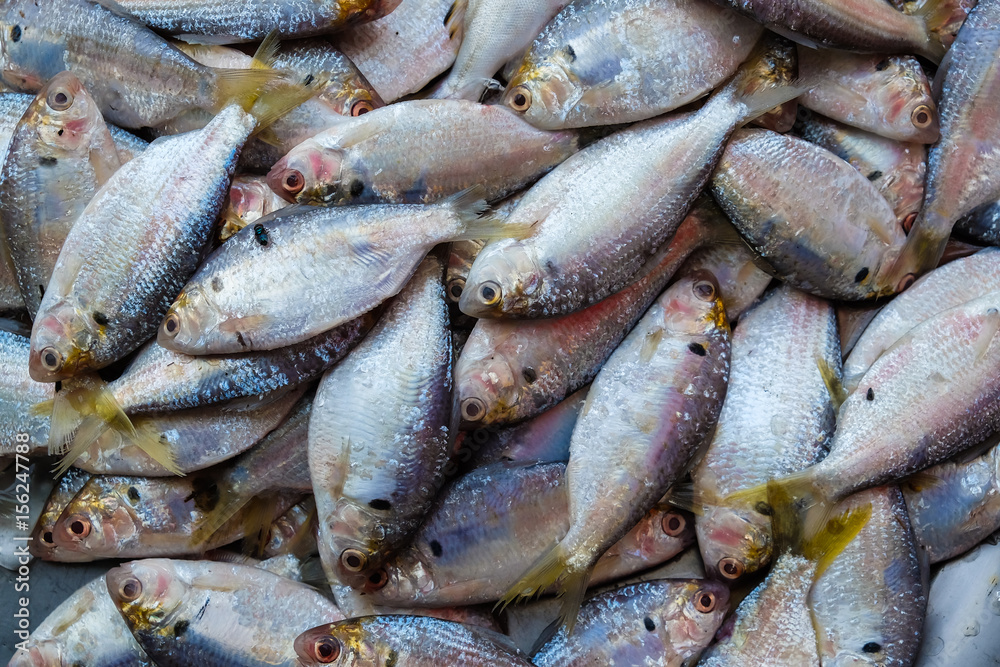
(454, 20)
(936, 14)
(686, 497)
(834, 535)
(89, 431)
(552, 569)
(833, 382)
(278, 100)
(240, 86)
(767, 79)
(477, 221)
(257, 519)
(921, 252)
(799, 488)
(227, 506)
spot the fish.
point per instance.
(601, 214)
(19, 394)
(344, 261)
(887, 95)
(946, 287)
(735, 270)
(420, 151)
(254, 617)
(42, 544)
(594, 63)
(959, 509)
(778, 418)
(294, 532)
(463, 253)
(61, 153)
(664, 622)
(493, 34)
(376, 472)
(646, 413)
(12, 107)
(867, 26)
(511, 370)
(897, 169)
(982, 226)
(249, 199)
(868, 606)
(234, 22)
(415, 641)
(847, 250)
(962, 166)
(415, 34)
(464, 551)
(85, 629)
(37, 41)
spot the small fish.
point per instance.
(662, 622)
(252, 620)
(735, 270)
(19, 394)
(42, 543)
(414, 641)
(294, 532)
(602, 63)
(249, 199)
(887, 95)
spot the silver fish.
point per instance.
(19, 394)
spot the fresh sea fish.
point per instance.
(887, 95)
(494, 33)
(601, 63)
(646, 413)
(463, 253)
(42, 543)
(375, 473)
(962, 167)
(897, 169)
(734, 268)
(982, 225)
(60, 155)
(294, 532)
(12, 107)
(511, 370)
(341, 261)
(19, 394)
(599, 216)
(401, 53)
(93, 42)
(253, 620)
(414, 641)
(845, 251)
(665, 622)
(249, 199)
(778, 418)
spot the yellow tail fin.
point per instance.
(548, 571)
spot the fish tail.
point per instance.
(686, 497)
(767, 79)
(921, 253)
(240, 86)
(228, 505)
(799, 487)
(84, 436)
(278, 100)
(833, 382)
(552, 569)
(477, 222)
(454, 20)
(935, 14)
(257, 519)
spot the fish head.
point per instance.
(27, 58)
(543, 93)
(146, 592)
(190, 321)
(43, 543)
(400, 581)
(309, 174)
(504, 280)
(344, 643)
(99, 518)
(487, 390)
(248, 200)
(695, 614)
(62, 341)
(907, 104)
(64, 114)
(356, 534)
(734, 541)
(663, 533)
(352, 97)
(693, 305)
(38, 653)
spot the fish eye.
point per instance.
(51, 359)
(520, 99)
(731, 569)
(59, 99)
(172, 324)
(490, 292)
(872, 647)
(353, 560)
(326, 649)
(47, 538)
(480, 436)
(15, 34)
(908, 222)
(704, 601)
(905, 283)
(704, 290)
(130, 589)
(473, 409)
(79, 527)
(922, 117)
(293, 182)
(673, 524)
(361, 107)
(377, 580)
(455, 289)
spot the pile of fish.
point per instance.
(349, 328)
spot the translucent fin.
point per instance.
(923, 248)
(935, 14)
(833, 384)
(241, 86)
(923, 480)
(89, 431)
(454, 20)
(548, 571)
(684, 496)
(275, 102)
(785, 523)
(267, 52)
(836, 534)
(257, 519)
(470, 206)
(767, 79)
(228, 505)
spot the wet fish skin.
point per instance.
(85, 629)
(869, 604)
(778, 418)
(511, 370)
(294, 532)
(375, 473)
(897, 169)
(254, 617)
(42, 545)
(249, 199)
(493, 34)
(663, 622)
(342, 261)
(734, 268)
(580, 70)
(945, 287)
(233, 22)
(962, 167)
(420, 151)
(19, 393)
(61, 153)
(982, 226)
(600, 215)
(415, 33)
(887, 95)
(848, 249)
(960, 510)
(415, 641)
(96, 308)
(12, 107)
